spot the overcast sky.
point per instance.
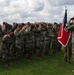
(35, 10)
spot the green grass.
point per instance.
(48, 65)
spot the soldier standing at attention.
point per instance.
(19, 27)
(70, 47)
(18, 41)
(59, 45)
(7, 42)
(16, 33)
(40, 42)
(54, 39)
(47, 40)
(29, 41)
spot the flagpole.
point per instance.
(65, 7)
(67, 48)
(64, 36)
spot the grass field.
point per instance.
(48, 65)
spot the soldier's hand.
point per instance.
(70, 19)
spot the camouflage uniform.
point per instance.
(54, 40)
(34, 31)
(5, 53)
(48, 39)
(29, 42)
(58, 44)
(47, 42)
(40, 42)
(17, 43)
(43, 32)
(22, 39)
(68, 49)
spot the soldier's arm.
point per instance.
(71, 27)
(68, 26)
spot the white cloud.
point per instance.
(36, 5)
(34, 10)
(4, 2)
(61, 3)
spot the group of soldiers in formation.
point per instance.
(28, 39)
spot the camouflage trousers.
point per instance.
(29, 49)
(5, 56)
(68, 52)
(47, 47)
(40, 47)
(54, 45)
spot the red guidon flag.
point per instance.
(64, 35)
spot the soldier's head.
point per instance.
(23, 24)
(37, 25)
(32, 27)
(4, 27)
(19, 27)
(15, 25)
(24, 27)
(28, 23)
(4, 24)
(11, 34)
(72, 20)
(49, 25)
(43, 25)
(55, 25)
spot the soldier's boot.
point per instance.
(65, 58)
(34, 50)
(25, 51)
(17, 56)
(54, 51)
(5, 59)
(17, 60)
(39, 54)
(46, 52)
(35, 47)
(59, 48)
(29, 54)
(7, 63)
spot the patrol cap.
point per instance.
(11, 34)
(72, 18)
(19, 25)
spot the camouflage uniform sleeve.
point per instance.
(69, 26)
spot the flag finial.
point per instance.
(65, 7)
